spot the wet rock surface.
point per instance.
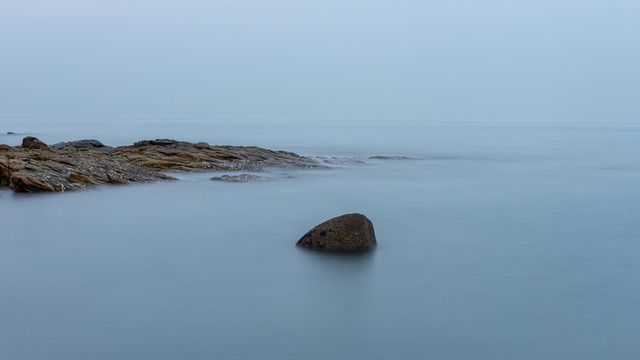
(350, 233)
(240, 178)
(388, 157)
(36, 167)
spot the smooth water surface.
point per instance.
(496, 241)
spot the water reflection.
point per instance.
(346, 280)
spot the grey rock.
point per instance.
(80, 144)
(160, 142)
(389, 157)
(239, 178)
(346, 233)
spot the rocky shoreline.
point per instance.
(77, 165)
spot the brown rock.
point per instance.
(31, 142)
(81, 164)
(79, 178)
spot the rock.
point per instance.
(346, 233)
(239, 178)
(385, 157)
(163, 142)
(79, 178)
(25, 181)
(10, 133)
(79, 144)
(82, 164)
(31, 142)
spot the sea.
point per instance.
(496, 240)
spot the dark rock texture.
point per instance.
(31, 142)
(239, 178)
(386, 157)
(36, 167)
(345, 233)
(79, 144)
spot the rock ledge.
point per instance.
(36, 167)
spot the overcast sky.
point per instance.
(542, 60)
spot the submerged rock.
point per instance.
(346, 233)
(75, 165)
(389, 157)
(239, 178)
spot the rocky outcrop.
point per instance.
(36, 167)
(347, 233)
(79, 144)
(172, 155)
(31, 143)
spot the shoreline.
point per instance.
(82, 164)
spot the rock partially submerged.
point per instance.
(347, 233)
(389, 157)
(239, 178)
(35, 167)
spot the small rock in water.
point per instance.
(389, 157)
(238, 178)
(347, 233)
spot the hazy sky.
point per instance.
(329, 59)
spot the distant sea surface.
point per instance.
(496, 241)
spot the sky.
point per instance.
(461, 60)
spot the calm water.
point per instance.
(496, 241)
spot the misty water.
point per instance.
(495, 241)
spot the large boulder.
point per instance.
(345, 233)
